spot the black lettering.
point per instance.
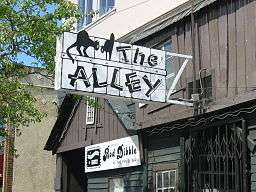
(132, 84)
(123, 50)
(152, 88)
(79, 74)
(142, 57)
(119, 152)
(136, 55)
(113, 82)
(152, 60)
(96, 84)
(106, 154)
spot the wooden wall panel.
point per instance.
(232, 71)
(204, 41)
(223, 50)
(240, 56)
(250, 42)
(108, 127)
(133, 179)
(157, 155)
(188, 51)
(214, 50)
(225, 44)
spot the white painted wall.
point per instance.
(129, 15)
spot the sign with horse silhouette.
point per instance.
(113, 154)
(87, 64)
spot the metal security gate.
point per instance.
(216, 159)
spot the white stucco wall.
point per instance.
(129, 15)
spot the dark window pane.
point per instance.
(166, 179)
(159, 180)
(111, 4)
(106, 5)
(167, 46)
(88, 11)
(82, 8)
(172, 178)
(103, 6)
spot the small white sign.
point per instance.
(113, 154)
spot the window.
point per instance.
(90, 111)
(106, 6)
(166, 181)
(94, 9)
(116, 184)
(167, 46)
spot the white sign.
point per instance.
(88, 64)
(113, 154)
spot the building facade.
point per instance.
(208, 147)
(103, 17)
(31, 168)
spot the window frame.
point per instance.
(165, 167)
(96, 8)
(90, 110)
(162, 46)
(162, 177)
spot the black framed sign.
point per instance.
(87, 64)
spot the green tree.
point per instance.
(28, 29)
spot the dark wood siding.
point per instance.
(133, 179)
(161, 151)
(106, 128)
(225, 45)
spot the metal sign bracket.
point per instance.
(176, 79)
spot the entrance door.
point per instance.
(73, 176)
(215, 159)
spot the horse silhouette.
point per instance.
(83, 40)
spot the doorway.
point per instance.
(73, 176)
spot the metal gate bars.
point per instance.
(216, 159)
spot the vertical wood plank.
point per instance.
(232, 65)
(240, 34)
(197, 47)
(106, 123)
(214, 51)
(250, 42)
(79, 128)
(110, 123)
(223, 49)
(188, 50)
(204, 41)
